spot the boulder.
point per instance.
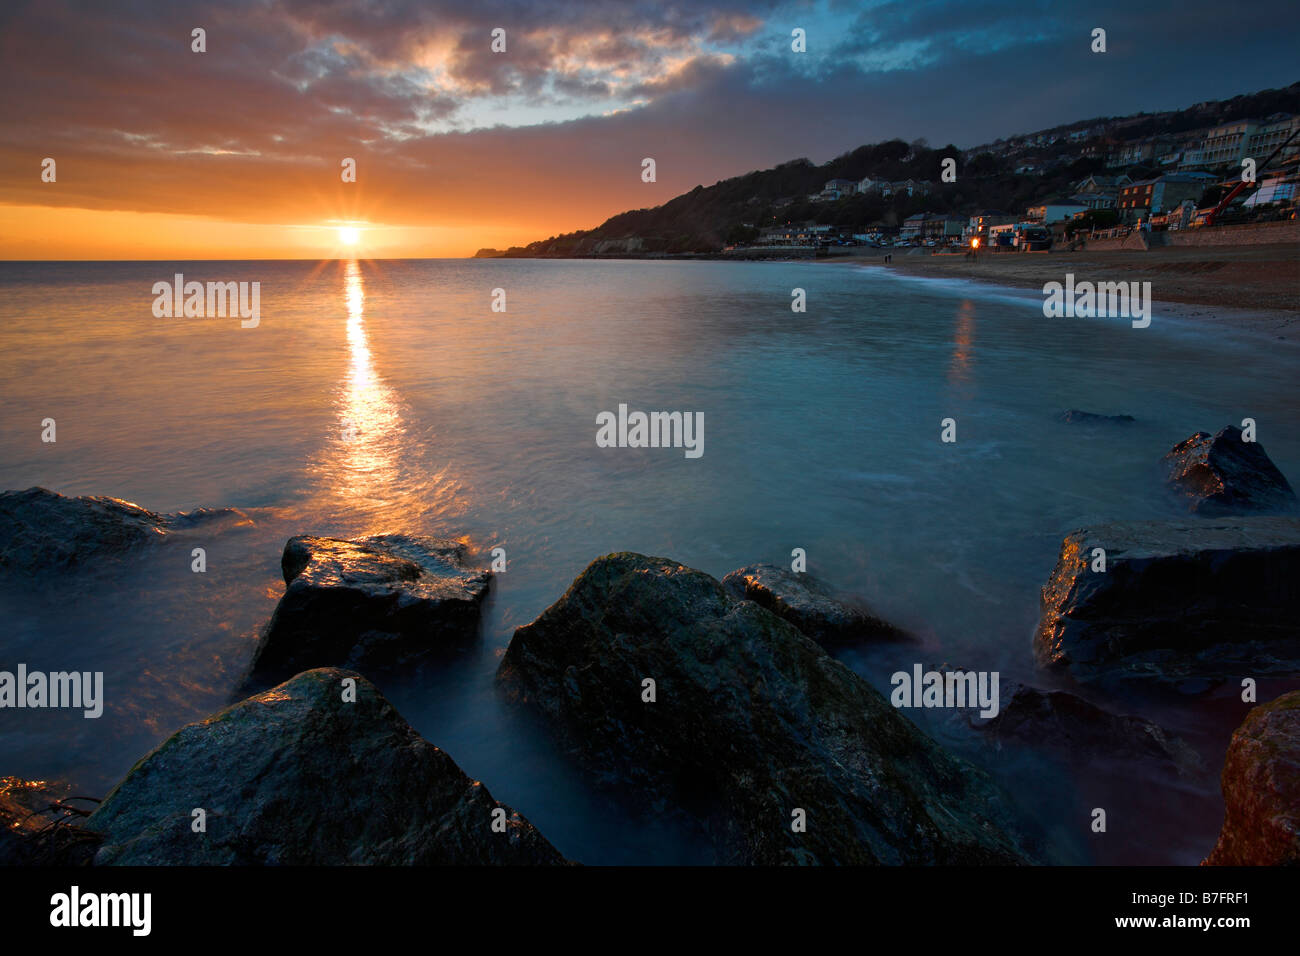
(41, 530)
(1078, 417)
(368, 603)
(751, 723)
(301, 776)
(40, 824)
(1222, 474)
(809, 604)
(1082, 732)
(1261, 789)
(1179, 602)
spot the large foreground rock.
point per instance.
(1178, 602)
(1222, 474)
(298, 775)
(367, 604)
(752, 721)
(1261, 789)
(809, 604)
(40, 824)
(41, 530)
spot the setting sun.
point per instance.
(348, 235)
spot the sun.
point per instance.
(348, 235)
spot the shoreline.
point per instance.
(1202, 286)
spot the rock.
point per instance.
(41, 530)
(1223, 474)
(1082, 732)
(752, 721)
(809, 604)
(40, 825)
(1261, 789)
(1178, 601)
(1076, 416)
(44, 531)
(299, 776)
(368, 603)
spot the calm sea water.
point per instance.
(821, 432)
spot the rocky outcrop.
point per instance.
(1066, 724)
(301, 775)
(1078, 417)
(1178, 602)
(1222, 474)
(1261, 789)
(40, 824)
(44, 531)
(809, 604)
(368, 603)
(751, 723)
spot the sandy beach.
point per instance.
(1251, 288)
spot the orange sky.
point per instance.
(47, 232)
(165, 152)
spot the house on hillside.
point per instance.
(837, 189)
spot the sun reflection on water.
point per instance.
(375, 471)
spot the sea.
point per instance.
(461, 398)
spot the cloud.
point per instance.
(254, 129)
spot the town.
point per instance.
(1181, 182)
(1130, 182)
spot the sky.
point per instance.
(162, 152)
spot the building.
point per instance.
(1049, 213)
(1275, 189)
(1223, 145)
(1272, 133)
(936, 226)
(1147, 197)
(1099, 192)
(837, 189)
(909, 186)
(913, 226)
(978, 225)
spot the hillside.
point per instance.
(709, 217)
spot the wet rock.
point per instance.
(1180, 603)
(1079, 417)
(751, 722)
(809, 604)
(44, 531)
(1222, 474)
(1261, 789)
(300, 776)
(368, 603)
(1082, 732)
(40, 824)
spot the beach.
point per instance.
(1249, 288)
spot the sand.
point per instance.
(1246, 288)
